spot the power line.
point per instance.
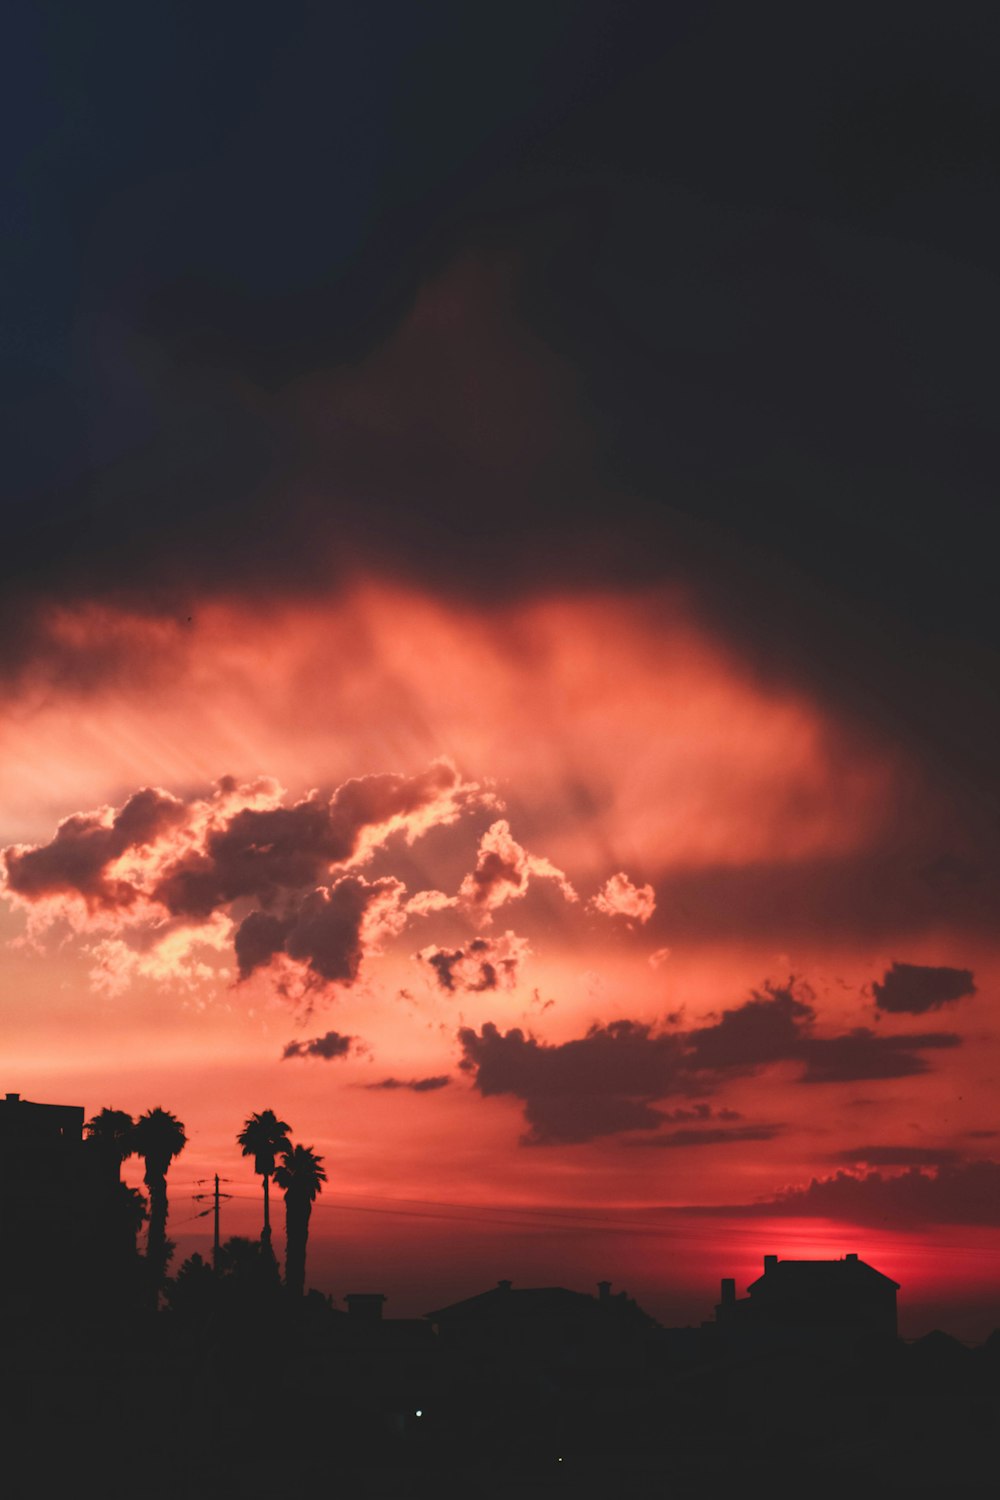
(514, 1217)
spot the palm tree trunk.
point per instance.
(296, 1236)
(156, 1238)
(265, 1237)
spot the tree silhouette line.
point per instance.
(158, 1137)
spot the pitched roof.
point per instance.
(819, 1273)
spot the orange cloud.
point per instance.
(618, 897)
(503, 872)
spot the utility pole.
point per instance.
(215, 1195)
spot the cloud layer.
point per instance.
(956, 1193)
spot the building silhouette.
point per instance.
(810, 1297)
(43, 1197)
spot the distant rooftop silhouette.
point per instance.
(507, 1319)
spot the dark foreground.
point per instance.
(281, 1400)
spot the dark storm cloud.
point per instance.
(724, 279)
(596, 1085)
(861, 1054)
(77, 860)
(704, 208)
(960, 1193)
(332, 1045)
(915, 988)
(258, 938)
(872, 892)
(612, 1079)
(764, 1029)
(688, 1112)
(417, 1085)
(325, 932)
(898, 1156)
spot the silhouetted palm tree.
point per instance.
(262, 1137)
(130, 1208)
(111, 1132)
(301, 1176)
(157, 1136)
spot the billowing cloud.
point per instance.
(242, 842)
(260, 853)
(175, 954)
(480, 965)
(503, 872)
(417, 1085)
(82, 859)
(159, 865)
(618, 897)
(915, 988)
(962, 1193)
(334, 1044)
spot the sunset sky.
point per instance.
(499, 629)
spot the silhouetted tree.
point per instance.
(110, 1130)
(157, 1136)
(130, 1209)
(112, 1216)
(191, 1294)
(240, 1259)
(301, 1176)
(262, 1137)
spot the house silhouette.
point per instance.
(809, 1297)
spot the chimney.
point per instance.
(13, 1098)
(770, 1261)
(604, 1290)
(365, 1307)
(852, 1257)
(728, 1290)
(504, 1286)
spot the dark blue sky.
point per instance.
(764, 240)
